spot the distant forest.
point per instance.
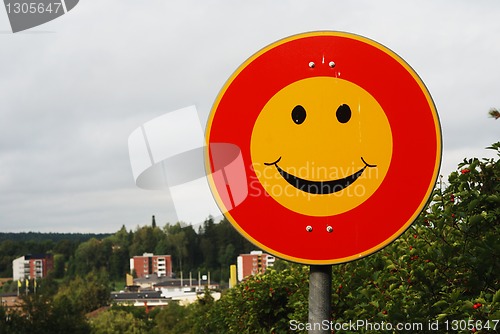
(54, 237)
(213, 247)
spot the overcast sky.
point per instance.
(74, 89)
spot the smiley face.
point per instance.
(321, 146)
(324, 141)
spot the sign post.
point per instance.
(320, 298)
(309, 141)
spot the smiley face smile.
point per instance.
(319, 187)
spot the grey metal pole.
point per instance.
(320, 298)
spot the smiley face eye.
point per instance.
(298, 114)
(343, 113)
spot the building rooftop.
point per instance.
(150, 294)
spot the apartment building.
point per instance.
(254, 263)
(32, 266)
(149, 264)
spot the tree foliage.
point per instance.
(177, 319)
(86, 293)
(39, 315)
(116, 321)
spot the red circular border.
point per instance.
(416, 146)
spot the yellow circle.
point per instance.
(321, 146)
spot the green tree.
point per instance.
(8, 252)
(194, 256)
(207, 244)
(176, 238)
(121, 238)
(59, 266)
(65, 247)
(177, 319)
(11, 322)
(145, 240)
(120, 250)
(40, 315)
(86, 294)
(118, 263)
(10, 286)
(47, 286)
(117, 322)
(173, 319)
(92, 255)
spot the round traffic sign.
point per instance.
(323, 147)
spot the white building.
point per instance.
(19, 268)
